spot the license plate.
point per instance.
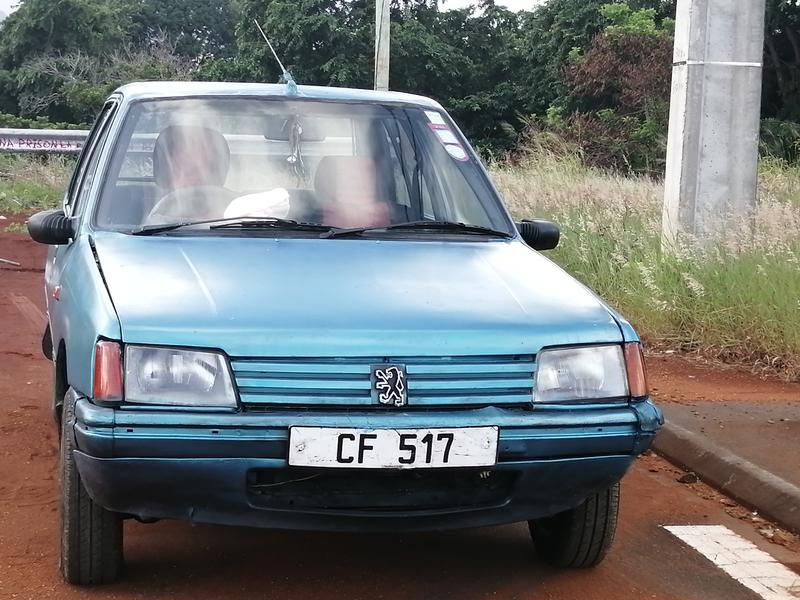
(392, 448)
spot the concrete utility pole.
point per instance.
(382, 44)
(712, 154)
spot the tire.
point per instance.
(91, 536)
(47, 344)
(60, 387)
(578, 538)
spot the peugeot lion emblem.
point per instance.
(389, 385)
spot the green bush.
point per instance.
(14, 122)
(780, 139)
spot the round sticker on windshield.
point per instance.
(457, 152)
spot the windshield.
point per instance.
(340, 165)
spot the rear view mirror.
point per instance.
(51, 227)
(280, 129)
(539, 234)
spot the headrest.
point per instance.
(205, 148)
(346, 178)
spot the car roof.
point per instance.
(184, 89)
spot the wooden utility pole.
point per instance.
(712, 154)
(382, 44)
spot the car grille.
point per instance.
(379, 491)
(345, 382)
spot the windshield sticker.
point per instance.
(457, 152)
(435, 117)
(447, 138)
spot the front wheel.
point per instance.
(579, 537)
(91, 536)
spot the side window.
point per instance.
(86, 170)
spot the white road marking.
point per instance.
(742, 560)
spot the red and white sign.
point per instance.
(35, 140)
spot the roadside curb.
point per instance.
(737, 477)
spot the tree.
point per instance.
(322, 42)
(552, 32)
(8, 101)
(603, 67)
(80, 83)
(44, 27)
(782, 60)
(488, 95)
(617, 104)
(61, 58)
(468, 59)
(626, 68)
(199, 29)
(47, 27)
(664, 9)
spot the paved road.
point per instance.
(767, 434)
(177, 560)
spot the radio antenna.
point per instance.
(286, 76)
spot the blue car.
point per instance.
(307, 308)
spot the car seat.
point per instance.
(352, 192)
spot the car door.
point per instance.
(75, 200)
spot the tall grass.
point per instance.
(739, 300)
(30, 183)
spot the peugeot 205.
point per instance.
(307, 308)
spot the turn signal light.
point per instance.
(107, 371)
(637, 375)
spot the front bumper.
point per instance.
(231, 468)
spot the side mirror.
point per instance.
(51, 227)
(539, 234)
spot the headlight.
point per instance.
(588, 373)
(173, 377)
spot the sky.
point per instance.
(5, 5)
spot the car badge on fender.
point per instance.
(389, 384)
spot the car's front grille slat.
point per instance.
(432, 381)
(283, 399)
(269, 384)
(325, 367)
(423, 385)
(465, 397)
(470, 368)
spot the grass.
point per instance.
(15, 228)
(779, 182)
(738, 301)
(28, 184)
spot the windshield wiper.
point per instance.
(270, 223)
(234, 222)
(449, 226)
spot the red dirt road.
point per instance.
(178, 560)
(682, 380)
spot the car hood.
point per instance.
(257, 296)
